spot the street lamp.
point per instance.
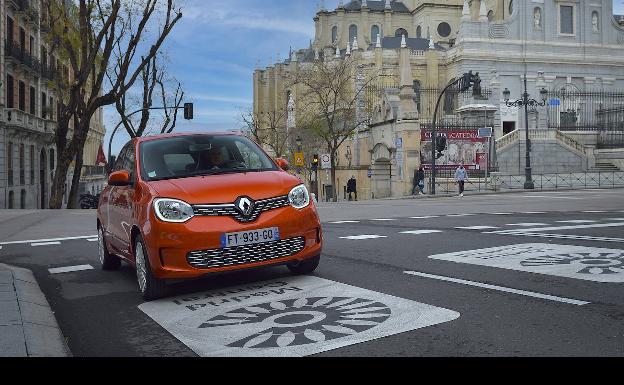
(526, 102)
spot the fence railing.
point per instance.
(478, 183)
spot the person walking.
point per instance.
(352, 188)
(419, 181)
(461, 176)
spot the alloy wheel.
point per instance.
(140, 267)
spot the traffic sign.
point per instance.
(485, 132)
(325, 161)
(299, 159)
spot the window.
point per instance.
(511, 7)
(419, 32)
(22, 96)
(566, 19)
(21, 164)
(23, 199)
(334, 34)
(44, 113)
(31, 47)
(400, 32)
(490, 15)
(10, 89)
(32, 165)
(417, 87)
(22, 37)
(51, 108)
(51, 159)
(10, 163)
(352, 33)
(11, 195)
(374, 33)
(444, 29)
(33, 101)
(10, 29)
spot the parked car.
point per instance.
(187, 205)
(88, 201)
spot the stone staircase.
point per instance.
(604, 167)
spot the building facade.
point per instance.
(574, 49)
(29, 78)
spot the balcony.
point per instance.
(14, 50)
(94, 172)
(23, 121)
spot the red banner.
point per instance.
(101, 158)
(456, 135)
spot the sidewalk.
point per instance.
(28, 327)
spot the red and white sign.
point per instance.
(457, 135)
(463, 147)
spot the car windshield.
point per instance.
(201, 155)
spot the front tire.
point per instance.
(108, 261)
(305, 267)
(151, 288)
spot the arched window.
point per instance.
(511, 7)
(374, 33)
(400, 32)
(353, 31)
(490, 15)
(419, 32)
(334, 34)
(23, 199)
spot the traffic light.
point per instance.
(315, 163)
(440, 145)
(188, 111)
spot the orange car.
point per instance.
(183, 206)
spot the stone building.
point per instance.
(572, 49)
(28, 109)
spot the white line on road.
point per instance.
(615, 219)
(527, 224)
(426, 217)
(92, 240)
(535, 212)
(478, 228)
(363, 237)
(45, 244)
(500, 288)
(343, 222)
(460, 215)
(594, 212)
(501, 213)
(70, 269)
(48, 240)
(383, 220)
(577, 221)
(421, 232)
(568, 236)
(525, 231)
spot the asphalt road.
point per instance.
(550, 288)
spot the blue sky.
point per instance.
(214, 50)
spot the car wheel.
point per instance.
(305, 267)
(108, 261)
(151, 288)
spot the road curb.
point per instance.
(28, 327)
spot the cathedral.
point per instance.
(570, 55)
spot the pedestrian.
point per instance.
(352, 188)
(419, 181)
(461, 176)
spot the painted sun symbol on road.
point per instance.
(595, 263)
(303, 321)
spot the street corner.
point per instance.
(295, 316)
(577, 262)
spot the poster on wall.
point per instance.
(462, 148)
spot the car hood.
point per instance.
(219, 189)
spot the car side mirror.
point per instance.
(283, 164)
(119, 179)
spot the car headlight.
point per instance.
(173, 210)
(299, 197)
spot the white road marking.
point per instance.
(576, 262)
(421, 232)
(343, 222)
(363, 237)
(500, 288)
(477, 228)
(383, 220)
(288, 317)
(557, 228)
(593, 212)
(92, 240)
(535, 212)
(460, 215)
(70, 269)
(568, 236)
(552, 197)
(45, 244)
(615, 219)
(527, 224)
(577, 221)
(48, 240)
(426, 217)
(501, 213)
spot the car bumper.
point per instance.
(173, 248)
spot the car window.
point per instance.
(188, 156)
(129, 161)
(121, 158)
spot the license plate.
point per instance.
(250, 237)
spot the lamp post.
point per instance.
(526, 102)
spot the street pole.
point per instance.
(528, 184)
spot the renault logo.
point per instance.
(245, 206)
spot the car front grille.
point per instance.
(229, 210)
(242, 255)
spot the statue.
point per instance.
(537, 18)
(476, 88)
(595, 22)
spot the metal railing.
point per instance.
(14, 50)
(478, 183)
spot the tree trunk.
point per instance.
(333, 174)
(73, 198)
(57, 190)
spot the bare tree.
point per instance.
(86, 34)
(330, 100)
(154, 79)
(269, 130)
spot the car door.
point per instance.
(126, 200)
(116, 200)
